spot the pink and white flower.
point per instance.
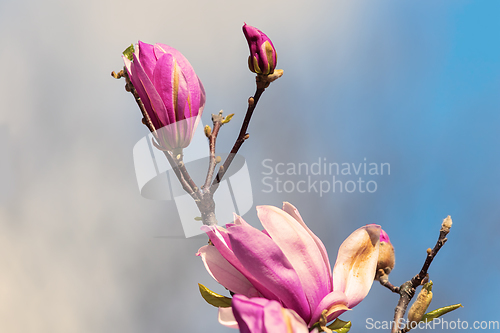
(287, 263)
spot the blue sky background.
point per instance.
(412, 83)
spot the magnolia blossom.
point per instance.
(172, 94)
(259, 315)
(263, 58)
(286, 262)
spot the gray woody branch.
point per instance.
(407, 290)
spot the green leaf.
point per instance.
(129, 52)
(430, 316)
(214, 298)
(340, 326)
(227, 118)
(428, 286)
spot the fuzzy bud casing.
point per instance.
(423, 301)
(386, 256)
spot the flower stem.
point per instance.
(217, 122)
(252, 103)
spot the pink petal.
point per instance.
(186, 129)
(224, 273)
(219, 233)
(226, 317)
(259, 315)
(147, 58)
(195, 87)
(249, 314)
(290, 209)
(165, 72)
(268, 264)
(354, 270)
(172, 85)
(138, 86)
(220, 239)
(274, 317)
(159, 112)
(300, 249)
(335, 301)
(384, 237)
(297, 324)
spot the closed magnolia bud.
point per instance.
(446, 224)
(170, 90)
(423, 301)
(386, 256)
(262, 59)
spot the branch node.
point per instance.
(407, 289)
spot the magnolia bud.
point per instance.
(446, 224)
(423, 301)
(262, 59)
(171, 92)
(386, 257)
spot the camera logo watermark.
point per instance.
(157, 181)
(322, 177)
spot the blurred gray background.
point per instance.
(411, 83)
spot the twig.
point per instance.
(175, 162)
(185, 174)
(178, 167)
(407, 289)
(384, 281)
(252, 103)
(204, 196)
(217, 122)
(130, 87)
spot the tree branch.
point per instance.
(252, 103)
(407, 289)
(175, 162)
(217, 122)
(384, 281)
(204, 196)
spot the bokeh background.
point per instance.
(412, 83)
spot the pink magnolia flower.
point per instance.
(288, 263)
(263, 58)
(172, 94)
(260, 315)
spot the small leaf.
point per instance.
(430, 316)
(340, 326)
(214, 299)
(198, 218)
(129, 52)
(228, 118)
(428, 286)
